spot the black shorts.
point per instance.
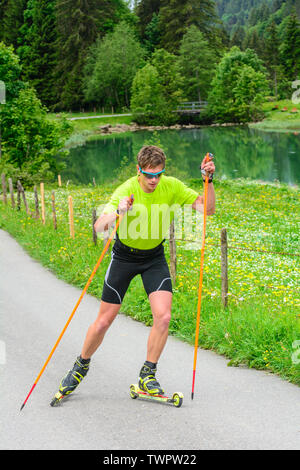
(126, 263)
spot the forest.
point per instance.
(146, 57)
(102, 53)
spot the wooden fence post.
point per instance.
(24, 198)
(3, 181)
(11, 190)
(94, 218)
(43, 203)
(173, 257)
(53, 210)
(224, 267)
(59, 180)
(71, 217)
(36, 203)
(18, 196)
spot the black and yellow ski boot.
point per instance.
(147, 380)
(72, 379)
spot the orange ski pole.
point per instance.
(75, 308)
(208, 157)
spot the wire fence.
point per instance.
(39, 212)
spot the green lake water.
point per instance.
(240, 152)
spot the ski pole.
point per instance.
(208, 157)
(76, 306)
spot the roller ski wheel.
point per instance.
(176, 399)
(57, 399)
(133, 392)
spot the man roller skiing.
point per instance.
(138, 249)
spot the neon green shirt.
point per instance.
(146, 224)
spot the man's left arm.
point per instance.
(198, 204)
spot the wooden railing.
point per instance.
(191, 107)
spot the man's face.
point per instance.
(148, 183)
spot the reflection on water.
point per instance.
(239, 152)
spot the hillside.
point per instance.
(254, 13)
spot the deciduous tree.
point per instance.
(111, 85)
(238, 88)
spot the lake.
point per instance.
(240, 152)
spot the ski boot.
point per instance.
(148, 387)
(147, 380)
(71, 380)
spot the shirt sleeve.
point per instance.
(183, 194)
(119, 194)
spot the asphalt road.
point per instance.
(233, 408)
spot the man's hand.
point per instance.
(125, 204)
(208, 167)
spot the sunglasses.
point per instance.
(150, 176)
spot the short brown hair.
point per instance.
(151, 156)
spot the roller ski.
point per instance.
(176, 399)
(71, 380)
(150, 389)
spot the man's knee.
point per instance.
(162, 319)
(101, 325)
(104, 320)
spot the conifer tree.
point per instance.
(13, 19)
(197, 62)
(272, 56)
(238, 37)
(145, 11)
(253, 41)
(38, 53)
(3, 5)
(152, 34)
(177, 15)
(290, 49)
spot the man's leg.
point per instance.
(161, 304)
(94, 338)
(97, 330)
(114, 288)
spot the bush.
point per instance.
(31, 142)
(239, 87)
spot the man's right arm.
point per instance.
(105, 221)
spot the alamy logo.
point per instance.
(2, 93)
(141, 222)
(296, 94)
